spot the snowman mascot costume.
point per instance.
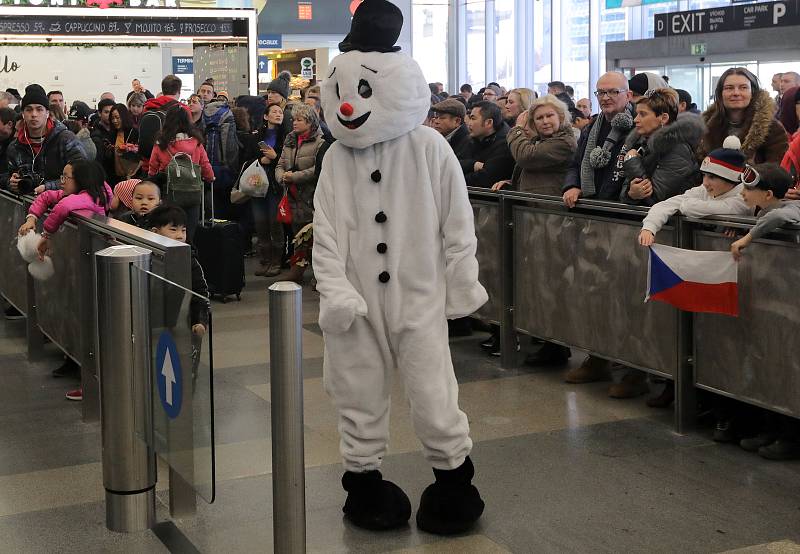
(394, 257)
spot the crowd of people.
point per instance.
(648, 145)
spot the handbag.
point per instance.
(284, 209)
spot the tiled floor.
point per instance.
(562, 468)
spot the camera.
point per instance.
(28, 182)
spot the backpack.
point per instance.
(149, 127)
(184, 184)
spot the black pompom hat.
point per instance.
(375, 27)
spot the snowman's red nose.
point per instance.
(346, 109)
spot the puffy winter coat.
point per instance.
(159, 159)
(666, 158)
(302, 163)
(59, 148)
(62, 205)
(542, 163)
(85, 136)
(763, 137)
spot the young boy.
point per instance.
(720, 193)
(765, 186)
(170, 221)
(146, 196)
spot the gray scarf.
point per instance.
(598, 157)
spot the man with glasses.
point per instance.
(593, 174)
(42, 147)
(448, 119)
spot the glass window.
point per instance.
(575, 45)
(504, 42)
(613, 28)
(648, 16)
(476, 42)
(703, 4)
(429, 46)
(542, 58)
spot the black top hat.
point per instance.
(375, 27)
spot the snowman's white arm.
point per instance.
(329, 266)
(465, 294)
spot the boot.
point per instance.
(295, 274)
(374, 503)
(633, 384)
(592, 369)
(551, 354)
(452, 504)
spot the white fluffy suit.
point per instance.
(394, 257)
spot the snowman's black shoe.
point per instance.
(374, 503)
(452, 504)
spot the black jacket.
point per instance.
(60, 147)
(199, 308)
(4, 144)
(460, 142)
(493, 151)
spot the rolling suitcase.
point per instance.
(221, 254)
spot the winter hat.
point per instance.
(451, 106)
(726, 162)
(496, 90)
(35, 94)
(14, 92)
(642, 82)
(375, 27)
(80, 111)
(281, 84)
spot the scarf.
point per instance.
(599, 156)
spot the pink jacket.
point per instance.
(159, 159)
(62, 206)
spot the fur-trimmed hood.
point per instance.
(685, 129)
(758, 124)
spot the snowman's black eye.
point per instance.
(364, 90)
(337, 91)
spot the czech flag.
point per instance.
(693, 281)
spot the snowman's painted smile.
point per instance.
(355, 123)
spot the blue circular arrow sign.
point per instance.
(169, 375)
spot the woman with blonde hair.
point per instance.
(542, 144)
(518, 101)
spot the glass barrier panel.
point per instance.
(179, 423)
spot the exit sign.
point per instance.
(699, 49)
(305, 11)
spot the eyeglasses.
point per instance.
(64, 178)
(611, 93)
(750, 176)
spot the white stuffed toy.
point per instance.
(394, 257)
(41, 270)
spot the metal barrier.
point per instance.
(577, 277)
(286, 384)
(64, 308)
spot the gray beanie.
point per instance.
(281, 84)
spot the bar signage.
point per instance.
(114, 26)
(730, 18)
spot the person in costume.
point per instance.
(394, 257)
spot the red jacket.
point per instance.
(159, 159)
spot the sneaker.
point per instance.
(633, 384)
(724, 431)
(76, 395)
(781, 449)
(551, 354)
(591, 370)
(12, 314)
(753, 444)
(68, 368)
(492, 343)
(496, 351)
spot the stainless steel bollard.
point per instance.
(286, 382)
(123, 344)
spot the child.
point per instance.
(123, 197)
(170, 221)
(720, 193)
(765, 186)
(146, 196)
(84, 189)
